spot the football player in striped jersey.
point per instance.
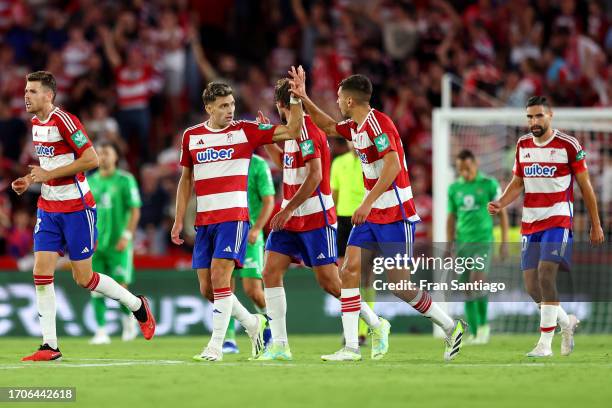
(547, 162)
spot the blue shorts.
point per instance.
(553, 245)
(396, 238)
(316, 247)
(225, 240)
(74, 233)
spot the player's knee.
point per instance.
(206, 291)
(331, 286)
(350, 270)
(253, 291)
(532, 287)
(272, 277)
(81, 279)
(220, 277)
(546, 281)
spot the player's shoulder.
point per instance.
(94, 176)
(380, 122)
(489, 180)
(195, 129)
(525, 139)
(567, 140)
(343, 158)
(246, 124)
(65, 119)
(455, 185)
(347, 122)
(310, 130)
(257, 160)
(124, 174)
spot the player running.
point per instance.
(261, 204)
(66, 217)
(470, 226)
(305, 227)
(118, 204)
(547, 162)
(215, 156)
(387, 215)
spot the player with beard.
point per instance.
(547, 162)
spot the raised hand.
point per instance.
(298, 82)
(261, 118)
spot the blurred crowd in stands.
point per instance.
(133, 72)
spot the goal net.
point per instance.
(491, 134)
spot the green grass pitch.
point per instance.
(161, 373)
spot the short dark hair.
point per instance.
(466, 154)
(282, 92)
(108, 143)
(359, 85)
(45, 78)
(538, 100)
(216, 90)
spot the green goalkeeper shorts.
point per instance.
(481, 252)
(253, 261)
(119, 265)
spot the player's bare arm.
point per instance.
(276, 154)
(504, 225)
(390, 170)
(511, 193)
(313, 179)
(298, 87)
(590, 201)
(267, 206)
(87, 161)
(183, 194)
(130, 229)
(451, 222)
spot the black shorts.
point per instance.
(345, 225)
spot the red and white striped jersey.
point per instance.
(59, 141)
(133, 87)
(548, 171)
(318, 210)
(220, 161)
(373, 139)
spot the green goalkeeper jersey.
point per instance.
(260, 185)
(468, 200)
(115, 196)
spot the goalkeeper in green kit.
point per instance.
(470, 226)
(118, 204)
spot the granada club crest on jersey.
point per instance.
(537, 170)
(229, 138)
(79, 139)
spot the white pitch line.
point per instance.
(120, 363)
(117, 362)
